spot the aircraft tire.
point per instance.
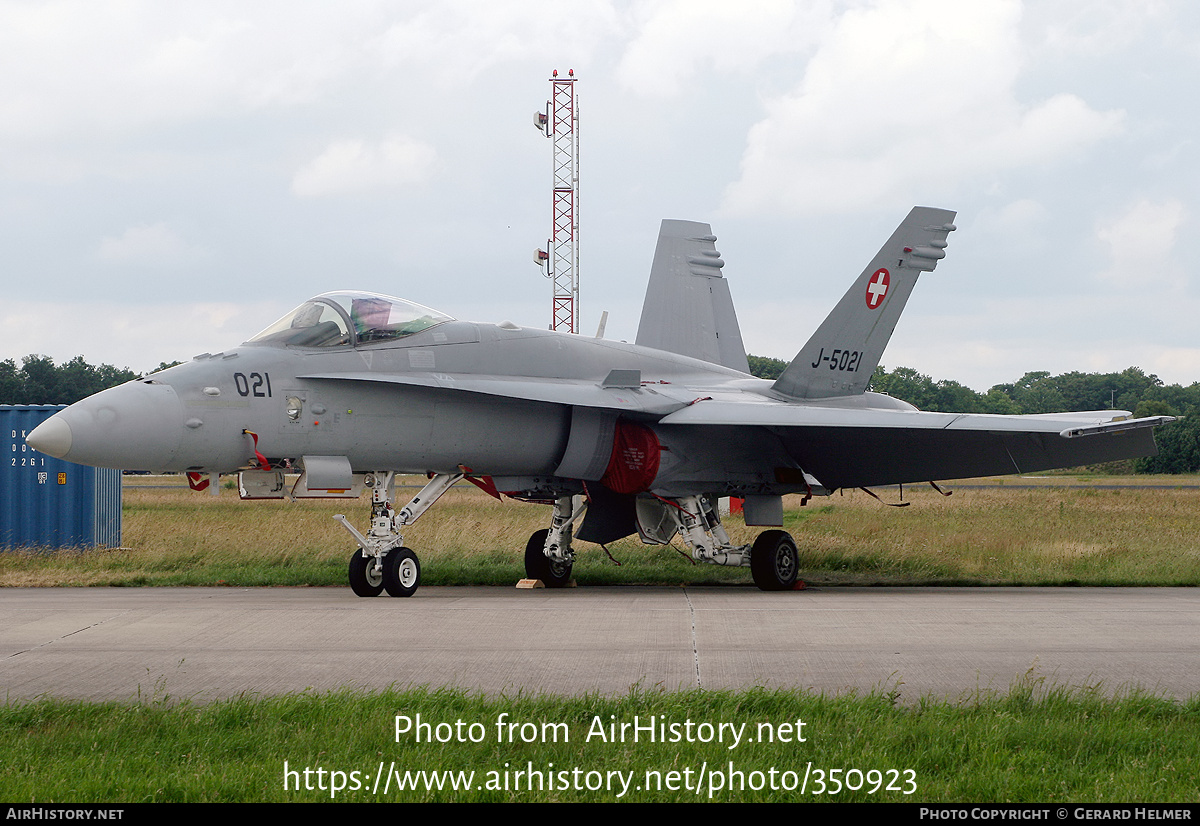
(401, 572)
(774, 561)
(539, 566)
(363, 582)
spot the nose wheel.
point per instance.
(398, 573)
(401, 573)
(366, 575)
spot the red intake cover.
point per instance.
(634, 462)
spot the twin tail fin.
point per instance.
(843, 353)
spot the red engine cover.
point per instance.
(634, 462)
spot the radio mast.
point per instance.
(560, 261)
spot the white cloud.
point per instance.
(1021, 216)
(899, 104)
(150, 245)
(460, 39)
(1086, 28)
(350, 166)
(1009, 112)
(674, 38)
(137, 336)
(1141, 243)
(110, 69)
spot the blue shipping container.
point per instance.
(46, 502)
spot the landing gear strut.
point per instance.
(553, 573)
(381, 561)
(772, 559)
(548, 554)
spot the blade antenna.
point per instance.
(875, 496)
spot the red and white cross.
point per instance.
(877, 288)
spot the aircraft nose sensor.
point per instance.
(52, 437)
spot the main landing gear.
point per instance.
(382, 563)
(773, 560)
(548, 554)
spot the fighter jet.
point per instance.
(351, 389)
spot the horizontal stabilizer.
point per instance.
(688, 309)
(843, 353)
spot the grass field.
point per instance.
(1029, 746)
(1057, 534)
(1034, 743)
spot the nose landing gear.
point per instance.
(382, 563)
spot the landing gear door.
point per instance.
(655, 522)
(261, 484)
(327, 477)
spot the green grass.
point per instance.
(1031, 745)
(1054, 535)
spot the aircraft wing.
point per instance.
(848, 448)
(621, 394)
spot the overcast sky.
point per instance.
(175, 176)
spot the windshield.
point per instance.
(335, 319)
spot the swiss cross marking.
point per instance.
(877, 288)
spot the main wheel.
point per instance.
(551, 572)
(774, 561)
(401, 573)
(366, 578)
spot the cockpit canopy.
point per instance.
(349, 318)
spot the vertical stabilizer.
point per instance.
(688, 309)
(843, 353)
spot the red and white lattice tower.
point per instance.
(560, 123)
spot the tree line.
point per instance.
(38, 380)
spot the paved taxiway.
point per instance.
(206, 643)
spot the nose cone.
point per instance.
(137, 426)
(52, 437)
